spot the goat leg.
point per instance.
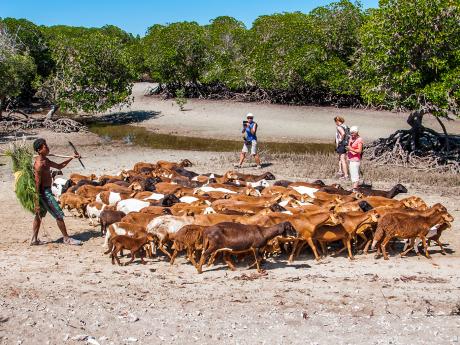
(443, 252)
(114, 254)
(133, 255)
(229, 262)
(313, 247)
(173, 256)
(299, 249)
(191, 255)
(294, 248)
(324, 251)
(408, 247)
(204, 255)
(427, 254)
(256, 256)
(164, 251)
(383, 246)
(347, 243)
(141, 254)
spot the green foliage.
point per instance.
(410, 55)
(17, 68)
(338, 27)
(293, 51)
(16, 71)
(21, 156)
(405, 54)
(181, 101)
(227, 42)
(176, 53)
(92, 73)
(32, 41)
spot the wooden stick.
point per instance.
(56, 155)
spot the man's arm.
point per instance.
(59, 166)
(254, 128)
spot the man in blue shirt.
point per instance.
(250, 141)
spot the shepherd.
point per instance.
(45, 201)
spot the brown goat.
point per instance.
(238, 238)
(351, 221)
(403, 225)
(390, 194)
(134, 245)
(109, 217)
(188, 238)
(71, 201)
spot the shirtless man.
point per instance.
(45, 201)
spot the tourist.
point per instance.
(342, 136)
(250, 141)
(355, 152)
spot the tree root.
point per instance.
(60, 125)
(435, 152)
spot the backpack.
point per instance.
(346, 138)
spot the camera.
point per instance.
(245, 123)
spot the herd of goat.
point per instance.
(164, 206)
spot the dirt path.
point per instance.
(57, 294)
(222, 119)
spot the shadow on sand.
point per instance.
(120, 118)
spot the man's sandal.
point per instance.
(37, 243)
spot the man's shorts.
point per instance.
(49, 204)
(252, 145)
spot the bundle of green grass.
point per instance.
(21, 156)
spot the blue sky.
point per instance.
(136, 16)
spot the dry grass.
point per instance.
(324, 166)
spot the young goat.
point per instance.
(134, 245)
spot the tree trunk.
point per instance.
(415, 121)
(446, 136)
(52, 111)
(1, 108)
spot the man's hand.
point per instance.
(37, 209)
(77, 155)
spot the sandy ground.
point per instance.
(222, 120)
(58, 294)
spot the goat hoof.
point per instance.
(386, 258)
(428, 257)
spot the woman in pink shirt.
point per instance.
(354, 153)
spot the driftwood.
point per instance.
(419, 147)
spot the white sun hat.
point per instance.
(354, 129)
(249, 115)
